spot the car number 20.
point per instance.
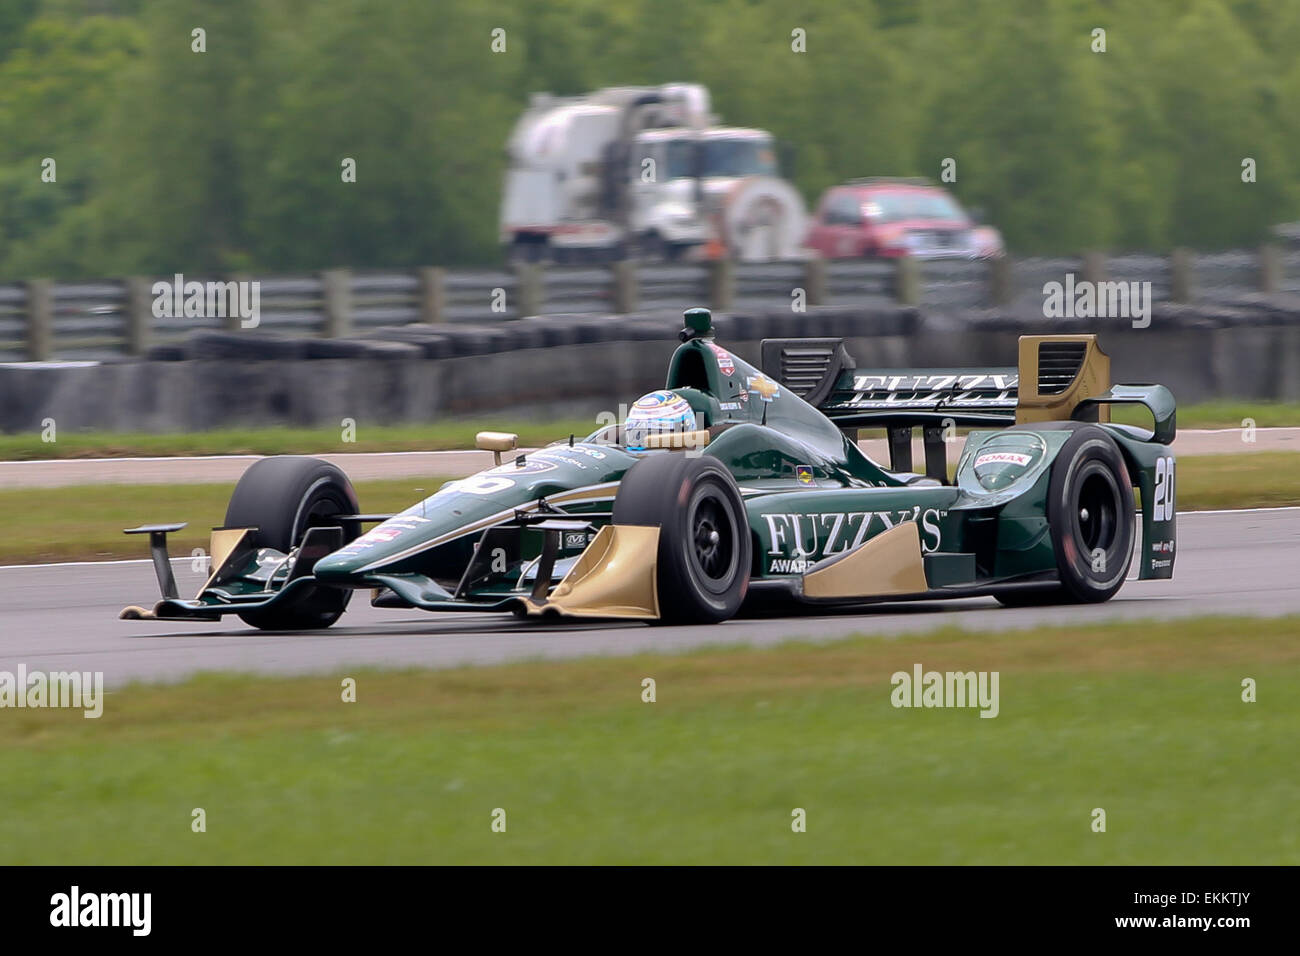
(1163, 506)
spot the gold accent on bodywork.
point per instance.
(615, 576)
(221, 546)
(889, 563)
(678, 440)
(222, 542)
(496, 442)
(1092, 379)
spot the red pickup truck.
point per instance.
(883, 217)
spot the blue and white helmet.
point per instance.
(656, 413)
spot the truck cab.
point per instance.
(643, 171)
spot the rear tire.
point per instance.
(1090, 518)
(282, 497)
(705, 547)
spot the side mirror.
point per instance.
(976, 214)
(496, 442)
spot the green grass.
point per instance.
(460, 434)
(1257, 480)
(1144, 720)
(86, 522)
(285, 441)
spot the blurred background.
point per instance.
(407, 181)
(169, 160)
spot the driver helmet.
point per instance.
(655, 413)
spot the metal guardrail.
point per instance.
(13, 321)
(1288, 278)
(42, 320)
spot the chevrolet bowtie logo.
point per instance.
(765, 387)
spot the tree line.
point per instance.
(212, 136)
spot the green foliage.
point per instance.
(230, 159)
(14, 17)
(53, 90)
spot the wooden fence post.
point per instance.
(623, 278)
(722, 284)
(433, 295)
(40, 320)
(1094, 266)
(1270, 268)
(1000, 284)
(139, 314)
(1181, 282)
(529, 288)
(907, 281)
(814, 280)
(336, 295)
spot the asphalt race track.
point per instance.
(64, 617)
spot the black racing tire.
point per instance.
(1090, 516)
(705, 545)
(282, 497)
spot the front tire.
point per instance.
(705, 546)
(283, 497)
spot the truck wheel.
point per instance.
(1090, 518)
(282, 497)
(526, 250)
(704, 539)
(651, 247)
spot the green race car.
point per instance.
(731, 488)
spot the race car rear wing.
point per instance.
(1057, 378)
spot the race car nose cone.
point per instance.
(337, 568)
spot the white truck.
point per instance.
(643, 172)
